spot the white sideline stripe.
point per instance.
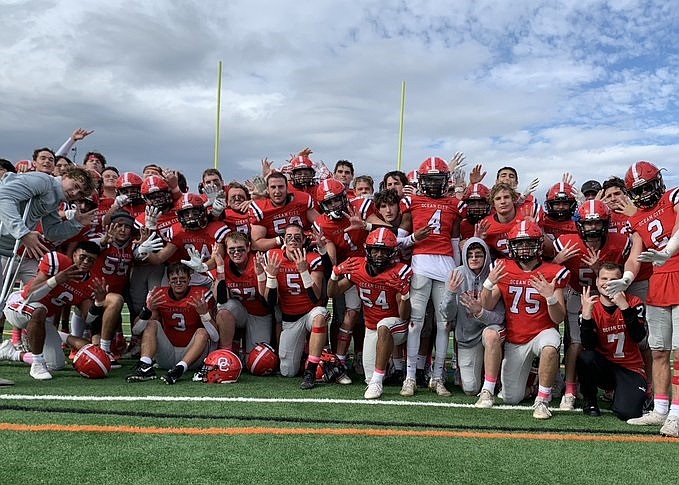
(48, 397)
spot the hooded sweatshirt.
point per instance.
(468, 329)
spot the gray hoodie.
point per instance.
(468, 329)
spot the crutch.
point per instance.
(9, 277)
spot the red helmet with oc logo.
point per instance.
(221, 367)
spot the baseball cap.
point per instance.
(122, 217)
(7, 165)
(590, 186)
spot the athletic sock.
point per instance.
(489, 383)
(545, 393)
(661, 403)
(378, 376)
(571, 388)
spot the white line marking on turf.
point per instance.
(48, 397)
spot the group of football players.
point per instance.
(243, 273)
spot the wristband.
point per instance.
(271, 283)
(489, 285)
(220, 269)
(145, 313)
(279, 240)
(412, 238)
(261, 277)
(628, 277)
(206, 318)
(552, 300)
(405, 297)
(52, 282)
(306, 279)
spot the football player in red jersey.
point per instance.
(239, 288)
(233, 208)
(611, 329)
(269, 217)
(653, 224)
(294, 279)
(128, 197)
(384, 289)
(303, 174)
(432, 264)
(61, 281)
(532, 291)
(582, 254)
(474, 208)
(177, 328)
(560, 205)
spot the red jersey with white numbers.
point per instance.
(165, 223)
(526, 309)
(614, 342)
(559, 228)
(244, 287)
(615, 250)
(347, 243)
(114, 265)
(264, 213)
(179, 318)
(378, 293)
(201, 240)
(439, 214)
(292, 296)
(68, 293)
(496, 236)
(237, 221)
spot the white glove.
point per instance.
(658, 258)
(616, 286)
(211, 191)
(195, 261)
(151, 245)
(152, 214)
(70, 213)
(122, 200)
(219, 204)
(531, 188)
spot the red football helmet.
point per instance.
(221, 367)
(412, 178)
(262, 360)
(191, 212)
(157, 193)
(475, 197)
(560, 202)
(330, 367)
(303, 173)
(593, 218)
(91, 362)
(644, 183)
(525, 241)
(380, 248)
(433, 176)
(332, 197)
(129, 184)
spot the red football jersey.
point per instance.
(377, 292)
(347, 243)
(236, 221)
(135, 210)
(114, 265)
(244, 287)
(559, 228)
(201, 240)
(496, 236)
(527, 314)
(292, 296)
(439, 214)
(274, 219)
(614, 342)
(179, 318)
(615, 250)
(310, 191)
(165, 222)
(620, 223)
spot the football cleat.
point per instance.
(485, 401)
(142, 372)
(540, 409)
(567, 402)
(409, 387)
(591, 408)
(39, 371)
(309, 380)
(7, 351)
(670, 427)
(173, 375)
(373, 391)
(653, 418)
(438, 386)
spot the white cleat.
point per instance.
(671, 427)
(343, 379)
(486, 400)
(373, 391)
(653, 418)
(39, 371)
(7, 351)
(567, 402)
(437, 385)
(540, 409)
(409, 387)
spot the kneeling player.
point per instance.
(384, 289)
(177, 327)
(611, 329)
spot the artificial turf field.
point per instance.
(266, 430)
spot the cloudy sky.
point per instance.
(580, 86)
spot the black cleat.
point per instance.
(142, 372)
(395, 379)
(591, 408)
(421, 379)
(309, 381)
(173, 374)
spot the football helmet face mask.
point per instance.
(332, 198)
(525, 241)
(262, 360)
(380, 249)
(432, 177)
(92, 362)
(592, 219)
(191, 212)
(303, 173)
(645, 185)
(157, 193)
(330, 367)
(129, 184)
(560, 202)
(476, 198)
(221, 367)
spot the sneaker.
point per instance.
(173, 375)
(409, 387)
(39, 371)
(309, 380)
(421, 379)
(671, 426)
(653, 418)
(540, 410)
(567, 402)
(591, 408)
(486, 400)
(373, 391)
(7, 351)
(143, 372)
(343, 379)
(6, 382)
(358, 364)
(114, 362)
(437, 385)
